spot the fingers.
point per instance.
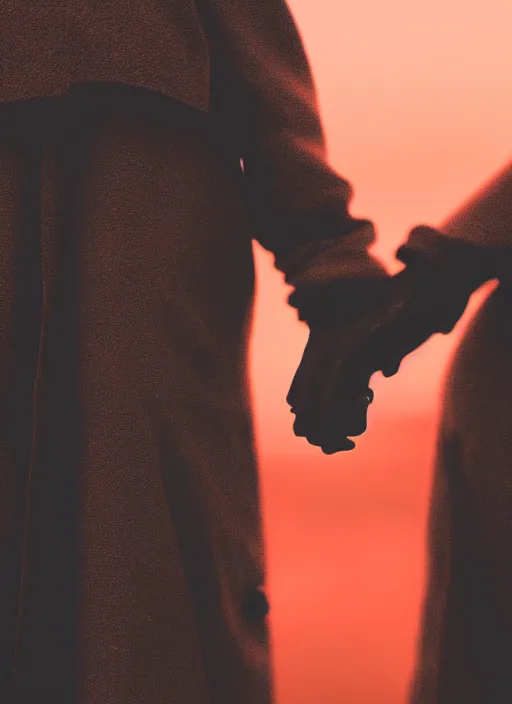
(330, 401)
(329, 394)
(337, 403)
(401, 345)
(330, 427)
(345, 446)
(391, 368)
(311, 366)
(326, 376)
(328, 440)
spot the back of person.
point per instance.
(47, 46)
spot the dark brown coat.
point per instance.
(126, 286)
(465, 649)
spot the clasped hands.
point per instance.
(330, 392)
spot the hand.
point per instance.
(416, 306)
(328, 408)
(330, 392)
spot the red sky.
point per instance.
(417, 107)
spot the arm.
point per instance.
(443, 268)
(264, 94)
(475, 244)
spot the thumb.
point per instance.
(391, 368)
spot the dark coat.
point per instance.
(242, 61)
(484, 221)
(466, 630)
(126, 285)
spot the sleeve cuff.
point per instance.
(341, 253)
(333, 278)
(450, 261)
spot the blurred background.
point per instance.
(417, 107)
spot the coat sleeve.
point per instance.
(263, 92)
(475, 241)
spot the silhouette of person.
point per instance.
(465, 646)
(143, 145)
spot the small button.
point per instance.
(256, 605)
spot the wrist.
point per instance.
(449, 263)
(434, 293)
(340, 301)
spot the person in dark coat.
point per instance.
(143, 146)
(465, 645)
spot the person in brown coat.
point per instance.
(143, 146)
(465, 646)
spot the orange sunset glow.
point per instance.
(417, 108)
